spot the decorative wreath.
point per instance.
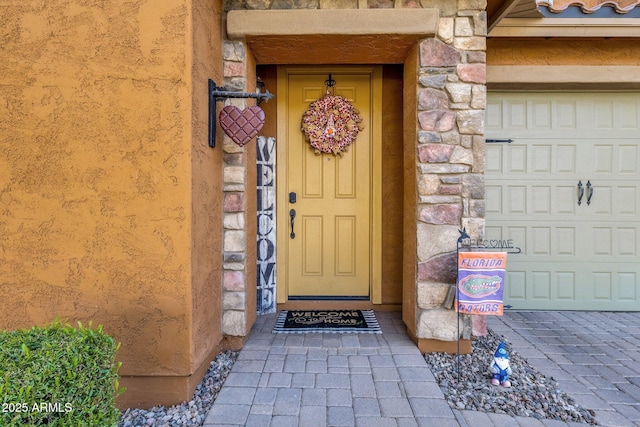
(331, 124)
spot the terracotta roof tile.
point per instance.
(589, 6)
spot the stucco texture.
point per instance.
(99, 167)
(613, 51)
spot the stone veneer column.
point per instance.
(234, 240)
(450, 159)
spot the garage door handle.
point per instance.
(589, 192)
(580, 192)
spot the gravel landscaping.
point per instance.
(191, 413)
(466, 384)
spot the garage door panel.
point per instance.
(516, 160)
(566, 200)
(627, 242)
(575, 257)
(566, 158)
(516, 114)
(628, 159)
(515, 286)
(493, 158)
(566, 285)
(541, 159)
(627, 201)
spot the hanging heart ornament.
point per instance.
(241, 125)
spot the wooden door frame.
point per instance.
(375, 265)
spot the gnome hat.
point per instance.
(501, 351)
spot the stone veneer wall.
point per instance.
(450, 155)
(234, 322)
(450, 182)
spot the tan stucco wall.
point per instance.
(563, 51)
(563, 64)
(206, 178)
(101, 160)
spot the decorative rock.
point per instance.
(233, 69)
(434, 240)
(445, 29)
(479, 97)
(234, 241)
(233, 281)
(441, 214)
(480, 24)
(471, 122)
(233, 51)
(234, 323)
(472, 73)
(473, 186)
(338, 4)
(233, 257)
(479, 326)
(233, 175)
(439, 199)
(432, 99)
(477, 209)
(459, 92)
(476, 57)
(294, 4)
(462, 155)
(438, 168)
(436, 82)
(463, 27)
(233, 301)
(425, 137)
(442, 269)
(450, 189)
(435, 153)
(439, 324)
(233, 159)
(434, 53)
(194, 412)
(233, 202)
(464, 381)
(470, 43)
(431, 294)
(474, 226)
(437, 120)
(428, 184)
(234, 221)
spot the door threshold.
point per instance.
(336, 305)
(328, 298)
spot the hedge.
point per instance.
(58, 376)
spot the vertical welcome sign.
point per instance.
(481, 282)
(266, 164)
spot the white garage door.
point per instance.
(580, 252)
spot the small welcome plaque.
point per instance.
(481, 283)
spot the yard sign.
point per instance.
(481, 282)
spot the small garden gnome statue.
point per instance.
(500, 369)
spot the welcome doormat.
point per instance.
(331, 321)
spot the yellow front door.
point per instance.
(325, 206)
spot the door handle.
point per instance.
(589, 192)
(580, 192)
(292, 216)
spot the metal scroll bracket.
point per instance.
(218, 93)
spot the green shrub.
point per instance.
(58, 376)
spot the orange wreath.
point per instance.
(331, 124)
